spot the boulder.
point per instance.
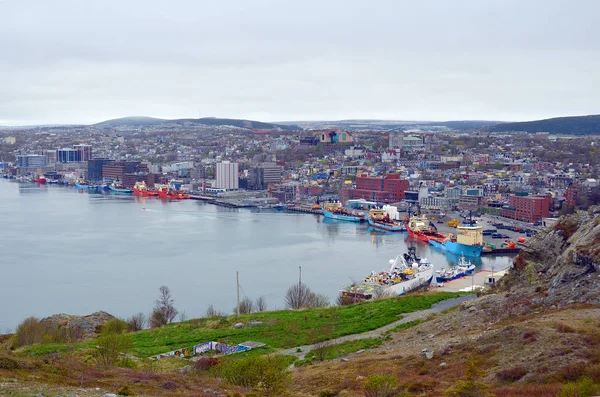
(254, 323)
(79, 327)
(239, 325)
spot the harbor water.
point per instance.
(69, 251)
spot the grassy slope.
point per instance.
(280, 329)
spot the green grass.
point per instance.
(405, 326)
(280, 329)
(345, 348)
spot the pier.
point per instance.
(473, 282)
(306, 210)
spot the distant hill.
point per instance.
(385, 125)
(577, 125)
(151, 121)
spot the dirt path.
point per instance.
(418, 315)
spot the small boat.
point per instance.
(402, 277)
(41, 179)
(335, 210)
(462, 269)
(280, 207)
(380, 220)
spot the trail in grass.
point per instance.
(418, 315)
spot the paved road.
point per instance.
(418, 315)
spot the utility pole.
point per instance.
(473, 278)
(299, 284)
(237, 280)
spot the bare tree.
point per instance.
(183, 316)
(137, 322)
(319, 300)
(298, 296)
(246, 306)
(165, 305)
(157, 318)
(260, 304)
(210, 311)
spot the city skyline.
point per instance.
(67, 62)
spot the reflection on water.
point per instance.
(98, 251)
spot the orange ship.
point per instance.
(140, 189)
(172, 193)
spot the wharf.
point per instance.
(305, 210)
(223, 203)
(468, 283)
(501, 251)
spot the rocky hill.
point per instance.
(538, 330)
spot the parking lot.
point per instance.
(487, 221)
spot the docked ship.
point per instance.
(463, 268)
(401, 278)
(142, 190)
(83, 184)
(421, 228)
(468, 240)
(335, 210)
(379, 219)
(41, 179)
(119, 188)
(172, 192)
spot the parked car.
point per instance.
(496, 235)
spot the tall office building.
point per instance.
(95, 169)
(227, 176)
(32, 161)
(85, 151)
(396, 140)
(68, 156)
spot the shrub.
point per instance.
(206, 363)
(327, 393)
(380, 386)
(137, 322)
(8, 363)
(564, 328)
(115, 326)
(110, 346)
(30, 331)
(124, 391)
(584, 387)
(267, 373)
(170, 385)
(512, 374)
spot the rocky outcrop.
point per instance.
(78, 327)
(562, 264)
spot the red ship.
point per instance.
(41, 179)
(140, 189)
(418, 228)
(171, 193)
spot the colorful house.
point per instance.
(335, 136)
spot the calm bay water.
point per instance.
(65, 251)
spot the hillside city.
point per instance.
(523, 176)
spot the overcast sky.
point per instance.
(84, 61)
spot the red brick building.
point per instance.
(527, 208)
(386, 189)
(571, 195)
(128, 172)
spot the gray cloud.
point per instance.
(84, 61)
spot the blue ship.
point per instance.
(341, 217)
(389, 227)
(115, 189)
(469, 241)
